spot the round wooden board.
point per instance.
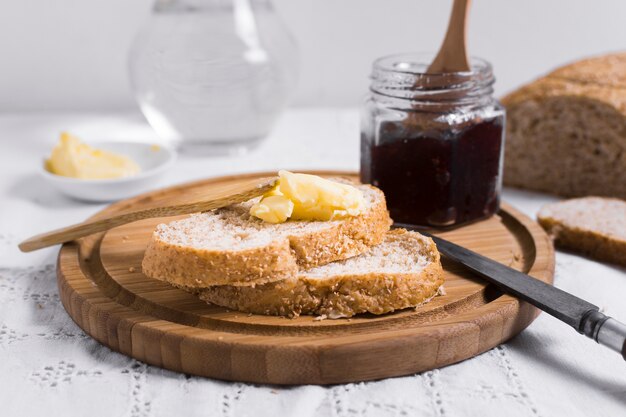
(104, 291)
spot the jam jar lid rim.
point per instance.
(479, 66)
(390, 78)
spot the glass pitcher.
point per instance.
(213, 75)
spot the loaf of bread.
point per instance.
(229, 246)
(403, 271)
(566, 132)
(594, 226)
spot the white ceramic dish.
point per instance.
(154, 160)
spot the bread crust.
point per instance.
(199, 268)
(566, 132)
(342, 295)
(571, 234)
(600, 78)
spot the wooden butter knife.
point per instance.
(583, 316)
(216, 197)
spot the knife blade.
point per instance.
(583, 316)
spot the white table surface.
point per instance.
(49, 367)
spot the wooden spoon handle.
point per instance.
(452, 56)
(221, 198)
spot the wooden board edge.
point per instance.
(108, 321)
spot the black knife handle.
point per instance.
(605, 330)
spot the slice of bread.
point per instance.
(403, 271)
(230, 247)
(566, 132)
(594, 226)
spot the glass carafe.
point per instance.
(213, 75)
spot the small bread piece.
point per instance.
(566, 131)
(403, 271)
(231, 247)
(594, 226)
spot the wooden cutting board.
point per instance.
(104, 291)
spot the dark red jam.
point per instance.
(436, 178)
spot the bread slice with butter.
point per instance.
(231, 247)
(403, 271)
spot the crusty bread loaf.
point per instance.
(228, 246)
(594, 226)
(403, 271)
(566, 132)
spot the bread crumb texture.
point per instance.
(403, 271)
(593, 226)
(566, 132)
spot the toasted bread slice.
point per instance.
(230, 247)
(403, 271)
(594, 226)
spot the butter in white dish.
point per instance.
(153, 162)
(73, 158)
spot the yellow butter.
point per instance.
(273, 209)
(72, 158)
(311, 198)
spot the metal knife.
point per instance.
(583, 316)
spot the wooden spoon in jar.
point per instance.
(205, 200)
(452, 56)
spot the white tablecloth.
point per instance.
(49, 367)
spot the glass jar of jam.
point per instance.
(433, 142)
